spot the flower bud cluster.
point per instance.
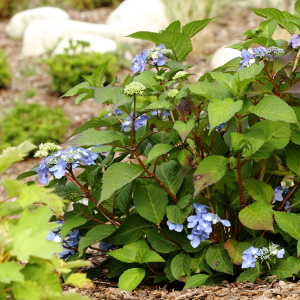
(134, 88)
(45, 149)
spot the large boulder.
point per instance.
(21, 20)
(96, 44)
(138, 15)
(223, 55)
(41, 37)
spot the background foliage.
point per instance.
(5, 73)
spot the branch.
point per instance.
(288, 196)
(154, 177)
(106, 213)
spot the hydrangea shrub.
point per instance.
(194, 182)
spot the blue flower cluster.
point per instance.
(252, 255)
(295, 41)
(201, 224)
(57, 163)
(251, 55)
(163, 114)
(70, 243)
(279, 194)
(116, 112)
(140, 121)
(154, 56)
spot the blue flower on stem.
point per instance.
(157, 57)
(249, 257)
(57, 163)
(140, 121)
(175, 227)
(247, 58)
(279, 194)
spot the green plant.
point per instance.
(5, 73)
(91, 4)
(29, 266)
(32, 122)
(71, 68)
(195, 182)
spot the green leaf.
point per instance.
(259, 190)
(218, 259)
(130, 231)
(209, 171)
(95, 235)
(250, 73)
(297, 7)
(195, 281)
(177, 215)
(257, 216)
(77, 89)
(181, 265)
(150, 202)
(283, 18)
(158, 150)
(184, 129)
(293, 158)
(286, 268)
(147, 36)
(275, 109)
(70, 223)
(29, 235)
(288, 222)
(79, 280)
(131, 278)
(11, 271)
(137, 252)
(171, 174)
(235, 250)
(14, 154)
(147, 78)
(160, 243)
(249, 275)
(124, 172)
(221, 111)
(93, 137)
(194, 27)
(111, 95)
(210, 90)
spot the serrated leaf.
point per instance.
(181, 265)
(209, 171)
(76, 89)
(147, 78)
(249, 73)
(257, 216)
(131, 278)
(259, 190)
(184, 129)
(293, 158)
(71, 223)
(137, 252)
(194, 27)
(79, 280)
(11, 271)
(210, 90)
(14, 154)
(158, 150)
(111, 95)
(130, 231)
(221, 111)
(171, 174)
(218, 259)
(125, 173)
(288, 222)
(287, 267)
(91, 137)
(195, 281)
(249, 275)
(275, 109)
(95, 235)
(30, 233)
(235, 250)
(159, 243)
(150, 202)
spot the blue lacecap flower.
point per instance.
(57, 163)
(295, 41)
(279, 193)
(175, 227)
(140, 121)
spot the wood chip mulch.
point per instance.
(233, 291)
